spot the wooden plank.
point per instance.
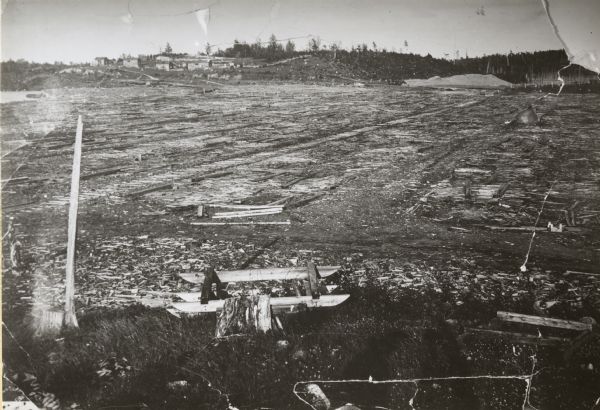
(242, 223)
(543, 321)
(103, 172)
(523, 338)
(252, 275)
(283, 304)
(530, 228)
(151, 189)
(246, 207)
(70, 320)
(574, 272)
(212, 175)
(243, 214)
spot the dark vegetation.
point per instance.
(139, 357)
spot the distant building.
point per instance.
(132, 62)
(166, 66)
(101, 61)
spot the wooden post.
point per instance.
(70, 320)
(244, 314)
(313, 280)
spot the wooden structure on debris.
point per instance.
(211, 298)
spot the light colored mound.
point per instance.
(465, 81)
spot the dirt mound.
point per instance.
(464, 80)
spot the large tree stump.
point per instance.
(244, 315)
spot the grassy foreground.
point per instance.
(142, 358)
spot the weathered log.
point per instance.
(543, 321)
(244, 315)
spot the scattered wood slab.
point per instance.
(574, 272)
(102, 172)
(151, 189)
(543, 321)
(211, 175)
(253, 212)
(246, 207)
(243, 223)
(531, 228)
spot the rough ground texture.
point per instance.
(416, 188)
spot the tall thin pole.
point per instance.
(70, 320)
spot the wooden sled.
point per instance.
(198, 302)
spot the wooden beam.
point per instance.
(543, 321)
(101, 173)
(245, 207)
(211, 175)
(151, 189)
(253, 275)
(242, 223)
(242, 214)
(284, 304)
(70, 319)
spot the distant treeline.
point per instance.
(379, 64)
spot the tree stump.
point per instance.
(244, 315)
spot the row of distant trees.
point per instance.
(379, 63)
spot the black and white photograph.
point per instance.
(300, 204)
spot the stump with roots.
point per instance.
(244, 315)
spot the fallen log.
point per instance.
(283, 304)
(542, 321)
(252, 275)
(523, 338)
(103, 172)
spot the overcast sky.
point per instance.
(79, 30)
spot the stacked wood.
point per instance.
(244, 315)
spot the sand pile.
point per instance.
(465, 80)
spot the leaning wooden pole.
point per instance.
(70, 319)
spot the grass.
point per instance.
(136, 357)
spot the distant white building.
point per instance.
(132, 62)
